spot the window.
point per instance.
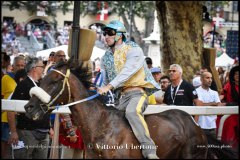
(235, 6)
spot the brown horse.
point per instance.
(105, 130)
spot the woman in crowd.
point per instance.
(230, 134)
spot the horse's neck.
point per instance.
(87, 114)
(88, 118)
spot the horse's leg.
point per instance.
(196, 144)
(194, 150)
(219, 150)
(168, 138)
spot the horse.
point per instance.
(105, 130)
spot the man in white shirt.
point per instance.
(209, 97)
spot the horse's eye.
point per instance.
(54, 82)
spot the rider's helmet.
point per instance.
(118, 27)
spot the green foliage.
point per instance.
(140, 8)
(31, 6)
(64, 5)
(214, 6)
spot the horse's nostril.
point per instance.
(28, 108)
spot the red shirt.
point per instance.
(227, 92)
(65, 141)
(230, 133)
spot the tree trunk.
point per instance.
(181, 35)
(135, 32)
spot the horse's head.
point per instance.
(54, 90)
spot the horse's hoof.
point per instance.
(152, 156)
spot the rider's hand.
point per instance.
(104, 89)
(13, 139)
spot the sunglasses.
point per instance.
(172, 70)
(109, 32)
(61, 56)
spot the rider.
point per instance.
(124, 68)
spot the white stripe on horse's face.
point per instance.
(41, 94)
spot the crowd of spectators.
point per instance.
(173, 77)
(10, 42)
(219, 42)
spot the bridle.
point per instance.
(65, 81)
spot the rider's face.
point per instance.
(109, 36)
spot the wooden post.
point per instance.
(54, 153)
(209, 56)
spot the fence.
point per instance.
(18, 106)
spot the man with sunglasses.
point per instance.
(125, 71)
(33, 135)
(180, 92)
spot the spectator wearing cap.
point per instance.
(156, 97)
(156, 72)
(196, 82)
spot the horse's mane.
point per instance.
(79, 71)
(84, 76)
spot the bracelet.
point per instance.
(71, 132)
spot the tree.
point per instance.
(31, 6)
(181, 32)
(143, 9)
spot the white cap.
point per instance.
(196, 81)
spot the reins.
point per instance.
(66, 77)
(65, 81)
(73, 103)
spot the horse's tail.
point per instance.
(219, 150)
